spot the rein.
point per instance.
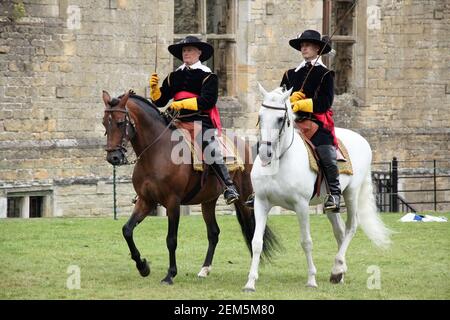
(154, 141)
(285, 120)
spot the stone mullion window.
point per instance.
(214, 21)
(23, 204)
(342, 42)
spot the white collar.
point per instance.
(197, 65)
(319, 61)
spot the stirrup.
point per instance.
(332, 204)
(250, 203)
(231, 195)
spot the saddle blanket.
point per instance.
(230, 154)
(344, 161)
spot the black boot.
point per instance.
(231, 195)
(327, 156)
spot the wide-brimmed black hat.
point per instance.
(177, 49)
(311, 36)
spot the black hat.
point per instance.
(314, 37)
(177, 49)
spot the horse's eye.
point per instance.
(120, 123)
(280, 120)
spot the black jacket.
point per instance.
(204, 84)
(319, 86)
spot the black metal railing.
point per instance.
(388, 177)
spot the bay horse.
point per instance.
(158, 180)
(282, 176)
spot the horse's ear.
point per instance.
(106, 97)
(287, 94)
(262, 90)
(123, 100)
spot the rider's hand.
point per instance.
(296, 96)
(189, 104)
(155, 92)
(305, 105)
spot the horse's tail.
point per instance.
(246, 219)
(368, 216)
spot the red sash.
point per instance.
(328, 123)
(213, 113)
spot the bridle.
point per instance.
(286, 121)
(128, 129)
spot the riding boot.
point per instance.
(231, 195)
(327, 156)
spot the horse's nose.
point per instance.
(265, 153)
(114, 157)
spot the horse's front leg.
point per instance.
(173, 213)
(209, 216)
(302, 210)
(261, 208)
(139, 213)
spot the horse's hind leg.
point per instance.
(209, 215)
(139, 214)
(338, 227)
(306, 242)
(340, 266)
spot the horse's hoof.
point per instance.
(336, 278)
(167, 281)
(143, 268)
(204, 272)
(311, 285)
(248, 290)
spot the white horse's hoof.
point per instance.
(311, 285)
(204, 272)
(246, 289)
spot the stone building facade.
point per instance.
(56, 57)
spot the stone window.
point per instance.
(13, 207)
(34, 204)
(343, 42)
(213, 21)
(349, 43)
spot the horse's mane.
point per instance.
(149, 107)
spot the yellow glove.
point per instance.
(155, 93)
(188, 104)
(296, 96)
(305, 105)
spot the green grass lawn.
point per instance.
(35, 255)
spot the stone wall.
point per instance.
(58, 57)
(54, 63)
(408, 78)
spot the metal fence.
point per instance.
(412, 186)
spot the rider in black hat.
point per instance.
(311, 100)
(194, 90)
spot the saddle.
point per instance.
(343, 158)
(231, 157)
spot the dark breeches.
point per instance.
(322, 137)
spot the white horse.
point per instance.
(281, 176)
